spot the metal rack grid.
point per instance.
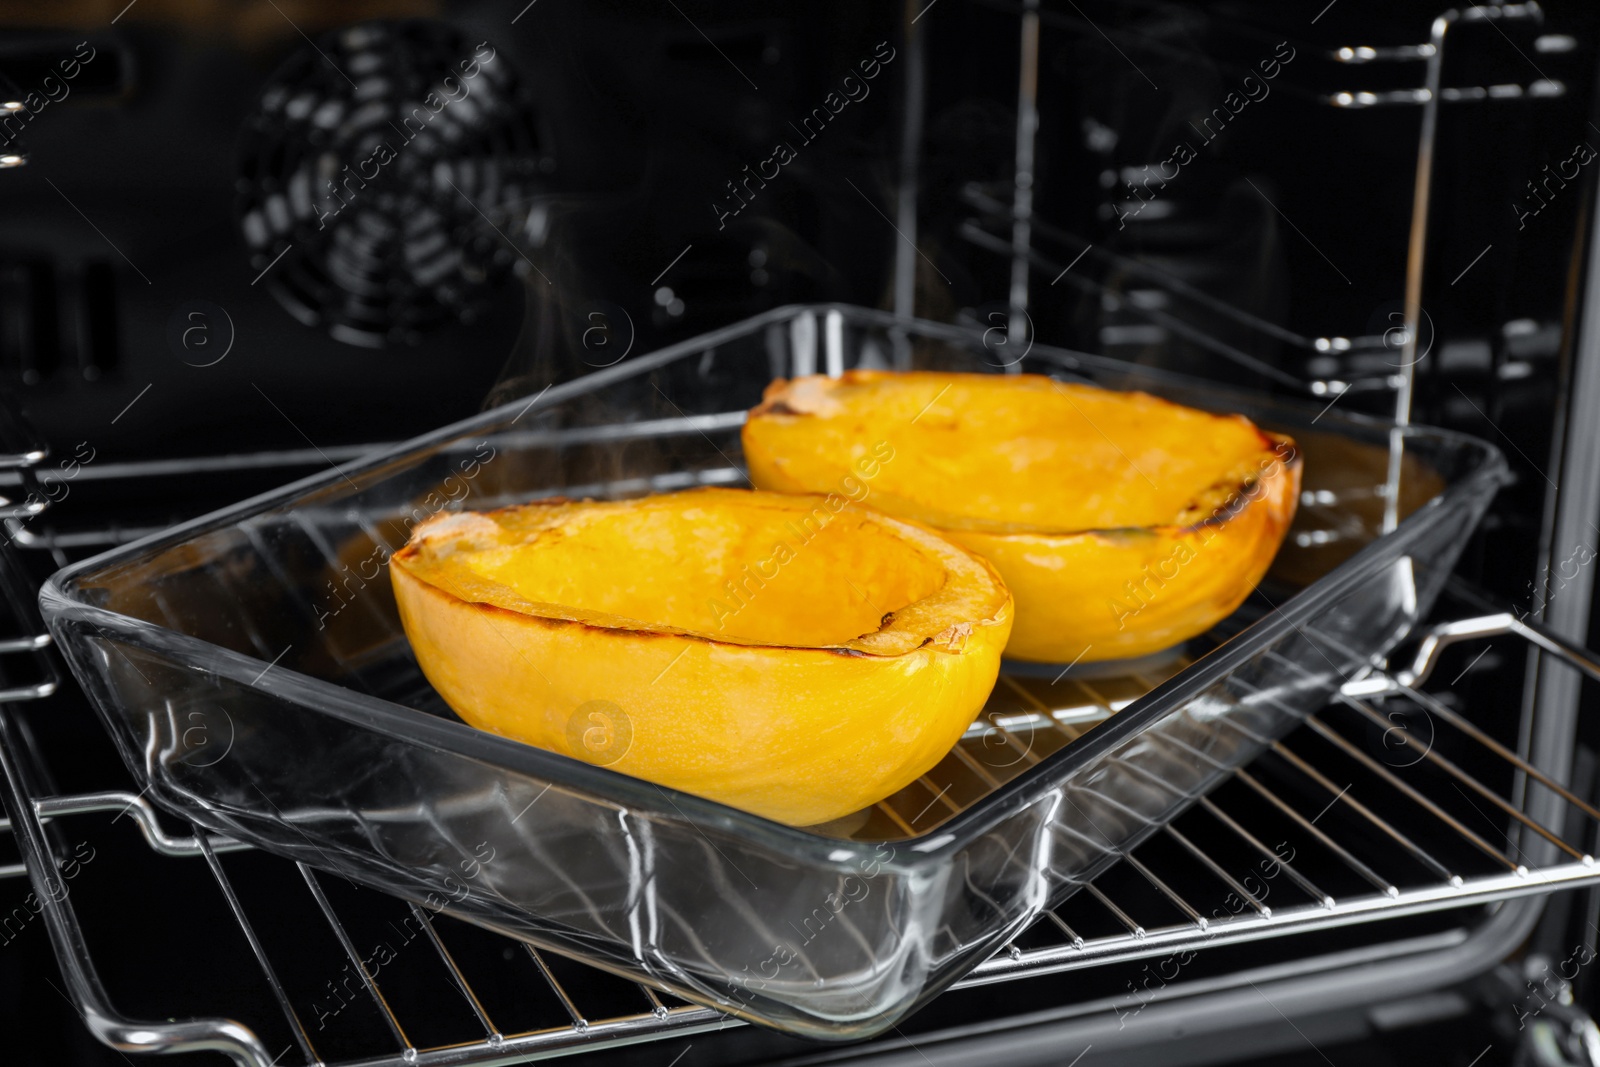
(1400, 838)
(1397, 845)
(1382, 863)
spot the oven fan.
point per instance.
(383, 178)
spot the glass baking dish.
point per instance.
(252, 670)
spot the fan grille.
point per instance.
(390, 166)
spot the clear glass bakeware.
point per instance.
(251, 667)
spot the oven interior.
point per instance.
(1230, 191)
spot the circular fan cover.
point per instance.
(390, 166)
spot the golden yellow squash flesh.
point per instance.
(1122, 523)
(800, 657)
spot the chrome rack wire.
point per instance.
(1373, 837)
(21, 452)
(992, 211)
(1504, 869)
(1019, 225)
(976, 235)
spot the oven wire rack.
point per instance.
(1422, 874)
(1434, 859)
